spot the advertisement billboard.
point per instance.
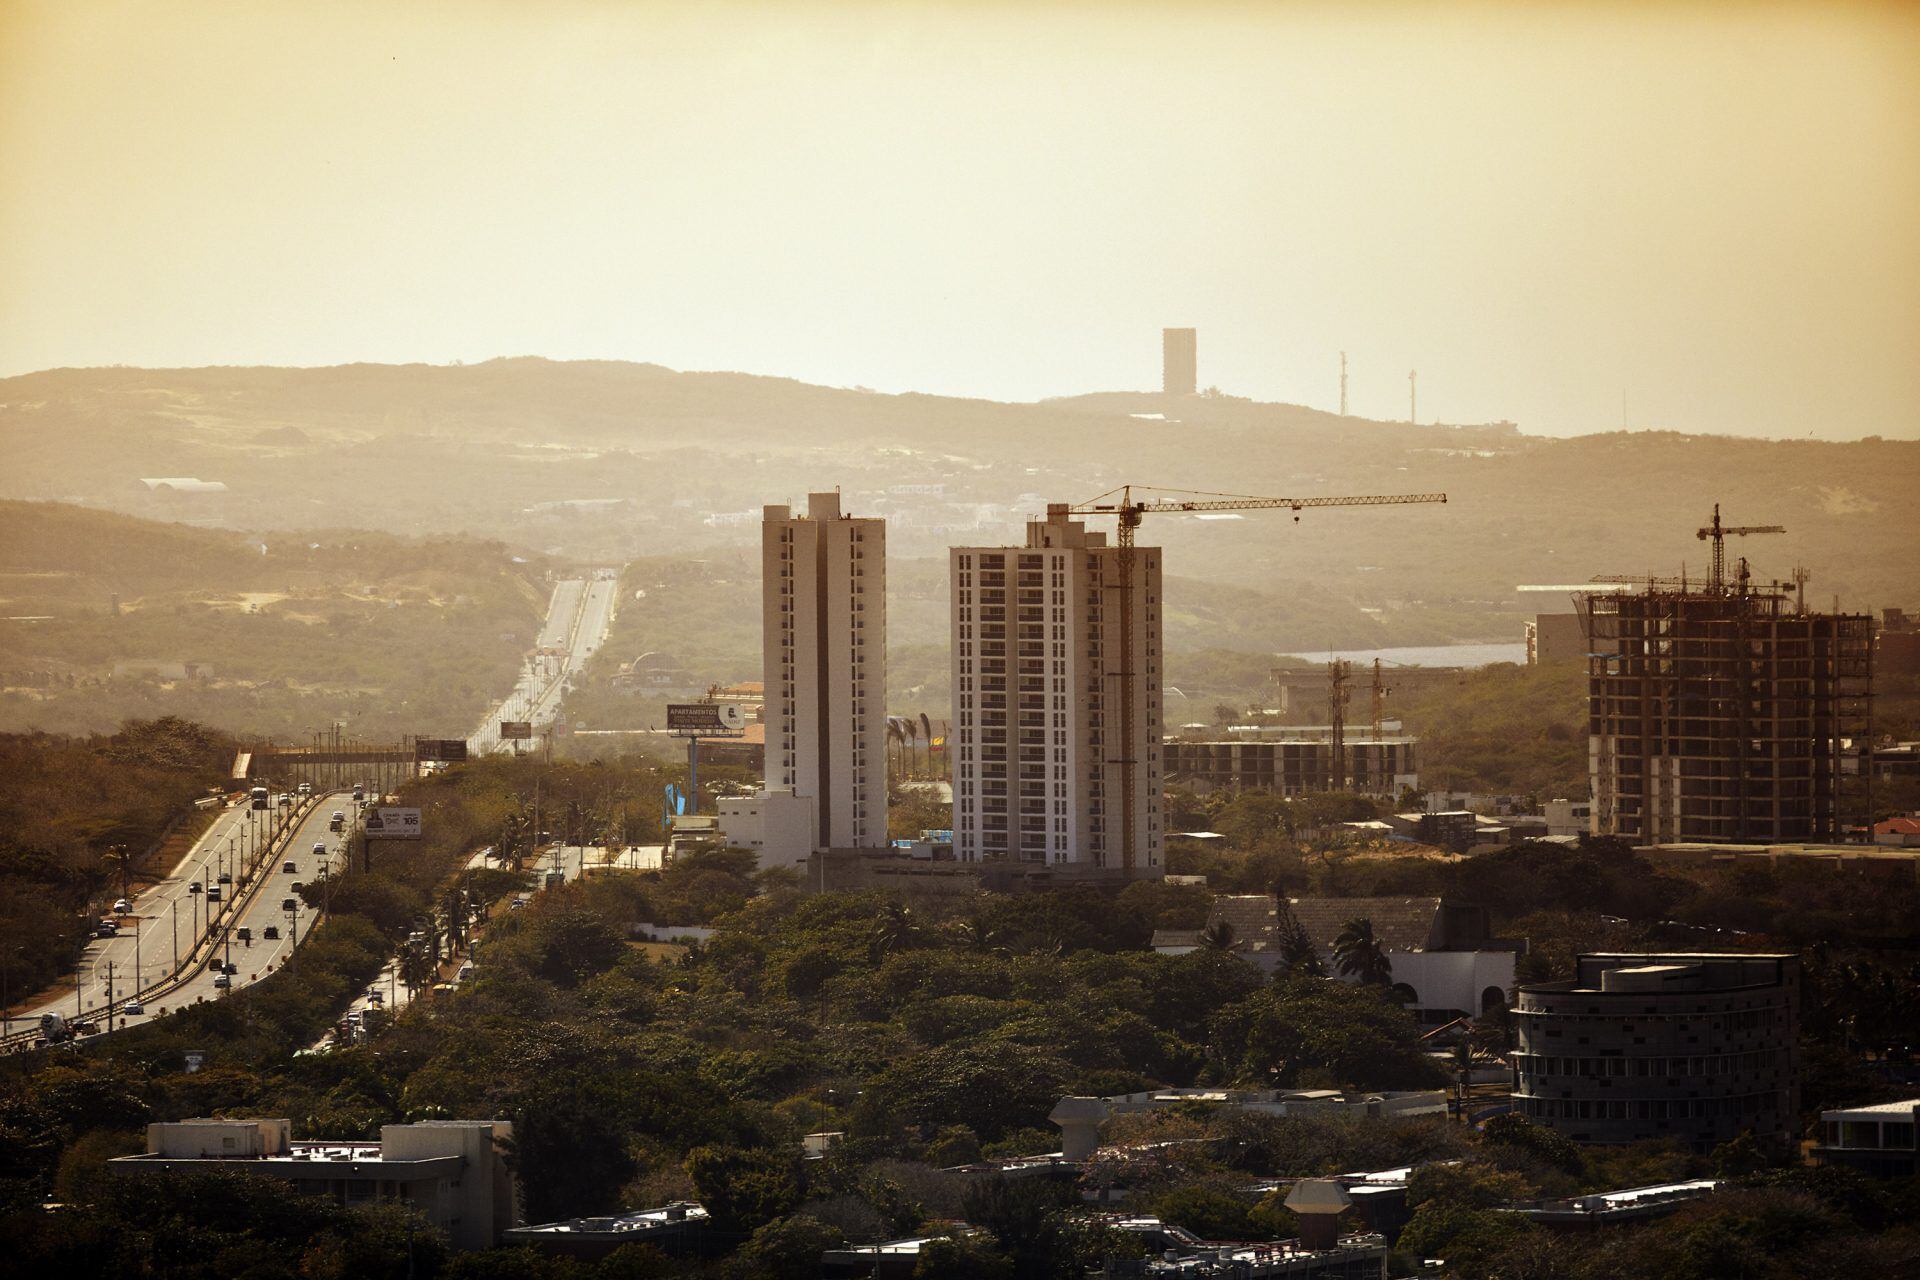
(516, 730)
(706, 719)
(447, 750)
(393, 824)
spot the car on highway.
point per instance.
(272, 931)
(226, 877)
(133, 1008)
(286, 800)
(230, 968)
(376, 996)
(288, 866)
(306, 788)
(107, 929)
(337, 821)
(359, 791)
(222, 983)
(213, 893)
(244, 934)
(122, 907)
(319, 848)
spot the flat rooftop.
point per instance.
(640, 1220)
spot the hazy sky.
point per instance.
(1713, 211)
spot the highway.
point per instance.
(169, 918)
(263, 910)
(578, 615)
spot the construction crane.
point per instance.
(1128, 512)
(1718, 534)
(1338, 672)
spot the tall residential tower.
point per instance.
(824, 610)
(1038, 661)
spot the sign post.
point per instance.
(696, 720)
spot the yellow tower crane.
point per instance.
(1128, 512)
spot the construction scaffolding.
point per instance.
(1722, 711)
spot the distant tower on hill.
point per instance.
(1179, 361)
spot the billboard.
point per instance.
(450, 750)
(706, 719)
(393, 824)
(512, 730)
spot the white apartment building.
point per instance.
(1037, 734)
(824, 609)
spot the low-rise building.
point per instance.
(1320, 1254)
(1693, 1047)
(1298, 763)
(1568, 817)
(1442, 952)
(1876, 860)
(453, 1171)
(1080, 1119)
(775, 824)
(1898, 833)
(679, 1229)
(1878, 1140)
(1613, 1208)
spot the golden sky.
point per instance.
(1710, 212)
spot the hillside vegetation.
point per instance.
(387, 634)
(603, 460)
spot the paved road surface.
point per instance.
(168, 917)
(578, 616)
(263, 909)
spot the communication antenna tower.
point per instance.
(1343, 384)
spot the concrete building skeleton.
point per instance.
(1721, 714)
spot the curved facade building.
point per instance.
(1694, 1047)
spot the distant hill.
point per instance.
(105, 617)
(606, 460)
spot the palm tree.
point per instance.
(895, 929)
(418, 966)
(118, 857)
(1360, 955)
(975, 933)
(1217, 936)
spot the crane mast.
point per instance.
(1718, 534)
(1128, 512)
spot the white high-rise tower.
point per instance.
(1037, 664)
(824, 603)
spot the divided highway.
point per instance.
(171, 919)
(578, 617)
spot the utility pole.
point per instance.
(1343, 384)
(1413, 395)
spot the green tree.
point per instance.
(743, 1188)
(1358, 954)
(785, 1249)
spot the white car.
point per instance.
(222, 983)
(122, 907)
(133, 1007)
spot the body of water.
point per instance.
(1432, 655)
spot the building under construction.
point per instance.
(1721, 711)
(1294, 761)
